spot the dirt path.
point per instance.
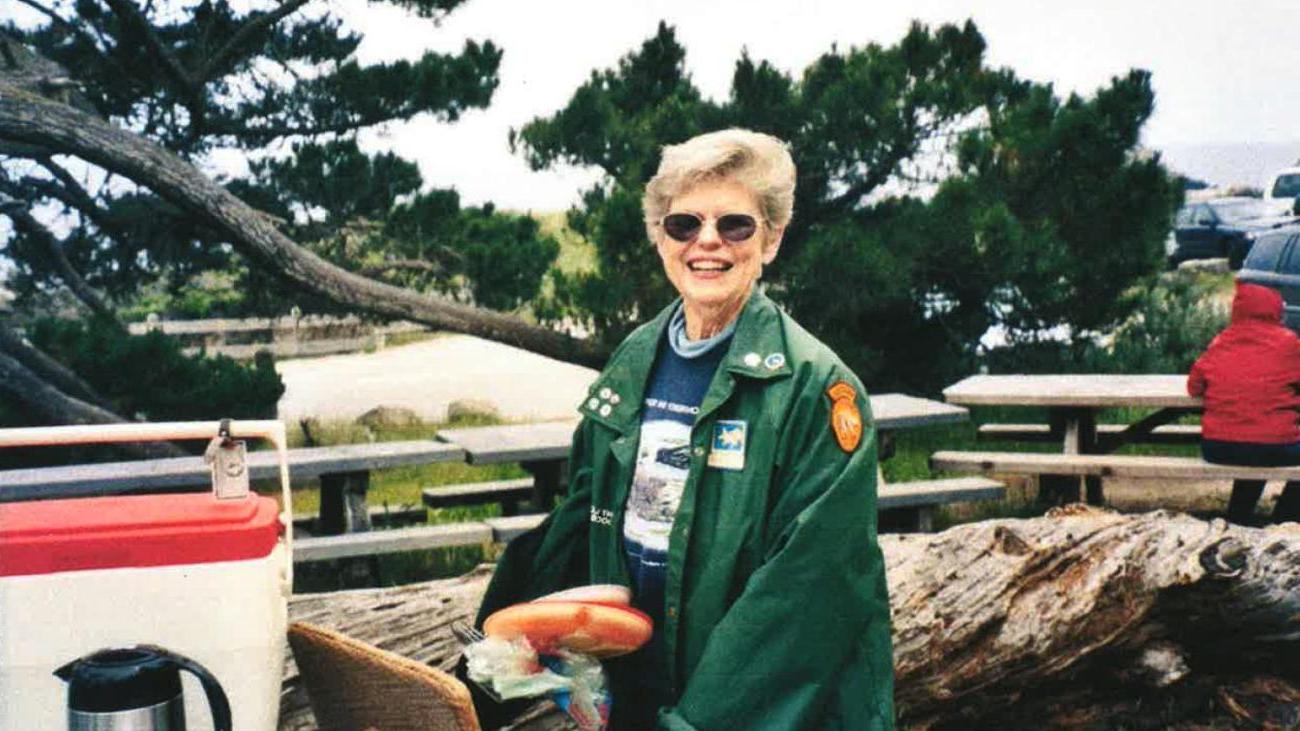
(427, 376)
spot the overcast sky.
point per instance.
(1225, 74)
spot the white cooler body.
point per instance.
(228, 616)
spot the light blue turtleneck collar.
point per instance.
(687, 348)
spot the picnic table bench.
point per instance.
(1097, 466)
(1073, 403)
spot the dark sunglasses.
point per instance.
(732, 227)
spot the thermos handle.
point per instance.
(268, 429)
(216, 696)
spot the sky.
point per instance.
(1224, 74)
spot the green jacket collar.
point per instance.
(758, 350)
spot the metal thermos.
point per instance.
(136, 689)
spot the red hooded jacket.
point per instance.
(1250, 374)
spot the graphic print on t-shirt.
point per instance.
(662, 463)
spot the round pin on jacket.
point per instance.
(753, 359)
(774, 361)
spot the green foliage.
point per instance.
(208, 294)
(148, 376)
(1043, 213)
(286, 90)
(336, 179)
(1171, 323)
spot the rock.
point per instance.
(472, 409)
(388, 417)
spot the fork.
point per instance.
(465, 633)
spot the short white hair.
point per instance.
(758, 161)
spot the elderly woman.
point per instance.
(725, 470)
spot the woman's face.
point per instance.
(708, 271)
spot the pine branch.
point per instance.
(245, 33)
(265, 135)
(49, 13)
(416, 265)
(29, 118)
(69, 191)
(130, 14)
(25, 223)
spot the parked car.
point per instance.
(1282, 189)
(1274, 261)
(1222, 228)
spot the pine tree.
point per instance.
(277, 77)
(937, 197)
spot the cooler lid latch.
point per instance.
(229, 461)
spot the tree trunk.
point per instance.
(52, 406)
(1083, 618)
(48, 369)
(27, 118)
(26, 223)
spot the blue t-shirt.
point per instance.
(678, 382)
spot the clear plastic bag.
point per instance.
(512, 669)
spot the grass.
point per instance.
(577, 254)
(397, 488)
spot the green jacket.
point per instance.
(776, 609)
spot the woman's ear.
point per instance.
(772, 245)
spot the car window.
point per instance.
(1286, 186)
(1263, 255)
(1184, 217)
(1292, 265)
(1203, 216)
(1241, 210)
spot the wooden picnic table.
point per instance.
(543, 448)
(1073, 402)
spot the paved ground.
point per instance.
(428, 375)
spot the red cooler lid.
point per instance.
(50, 536)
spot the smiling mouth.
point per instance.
(709, 266)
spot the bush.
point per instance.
(1173, 322)
(148, 376)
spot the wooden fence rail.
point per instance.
(284, 337)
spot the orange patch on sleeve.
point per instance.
(846, 418)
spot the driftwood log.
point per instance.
(1080, 619)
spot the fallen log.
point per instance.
(1083, 618)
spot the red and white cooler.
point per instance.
(203, 576)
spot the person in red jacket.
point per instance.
(1249, 378)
